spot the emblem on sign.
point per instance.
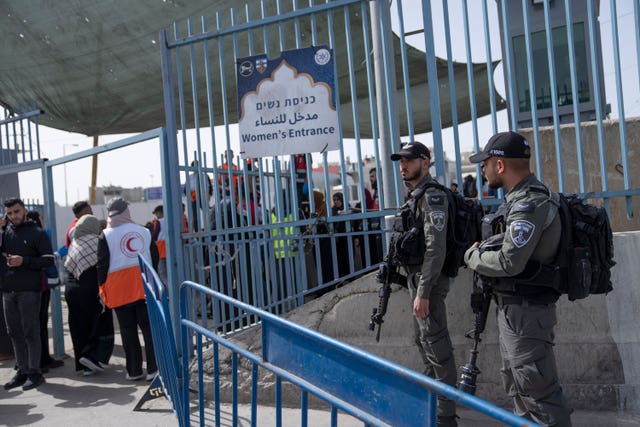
(521, 232)
(261, 65)
(245, 68)
(322, 56)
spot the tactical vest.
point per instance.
(407, 241)
(534, 273)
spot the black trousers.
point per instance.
(130, 317)
(84, 311)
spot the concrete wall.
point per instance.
(597, 339)
(591, 155)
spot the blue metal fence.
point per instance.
(350, 381)
(449, 95)
(169, 366)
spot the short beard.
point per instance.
(495, 184)
(413, 177)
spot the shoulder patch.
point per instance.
(437, 219)
(521, 232)
(523, 207)
(436, 200)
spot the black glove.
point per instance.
(381, 275)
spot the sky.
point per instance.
(139, 165)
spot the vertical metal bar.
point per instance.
(385, 99)
(452, 91)
(183, 121)
(210, 104)
(508, 70)
(334, 416)
(50, 215)
(202, 205)
(15, 143)
(372, 105)
(405, 71)
(532, 86)
(598, 99)
(278, 402)
(554, 96)
(216, 383)
(254, 394)
(472, 90)
(343, 173)
(304, 415)
(225, 112)
(280, 28)
(636, 19)
(434, 90)
(184, 339)
(621, 116)
(487, 43)
(36, 121)
(574, 90)
(199, 354)
(356, 129)
(171, 184)
(22, 143)
(244, 200)
(234, 388)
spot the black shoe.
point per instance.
(91, 363)
(17, 380)
(33, 381)
(53, 363)
(447, 421)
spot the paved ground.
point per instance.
(107, 399)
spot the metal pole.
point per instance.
(385, 84)
(94, 174)
(66, 193)
(171, 188)
(64, 167)
(50, 216)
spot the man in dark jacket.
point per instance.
(25, 250)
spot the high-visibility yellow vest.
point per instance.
(283, 247)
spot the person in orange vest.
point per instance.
(159, 235)
(121, 286)
(223, 176)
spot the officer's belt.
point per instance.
(502, 300)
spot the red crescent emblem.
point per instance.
(131, 243)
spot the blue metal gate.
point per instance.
(238, 211)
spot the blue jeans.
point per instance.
(22, 315)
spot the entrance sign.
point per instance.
(287, 105)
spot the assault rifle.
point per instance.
(387, 274)
(480, 302)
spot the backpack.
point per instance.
(463, 229)
(585, 255)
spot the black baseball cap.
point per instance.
(116, 206)
(504, 144)
(412, 150)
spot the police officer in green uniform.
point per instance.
(428, 287)
(526, 313)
